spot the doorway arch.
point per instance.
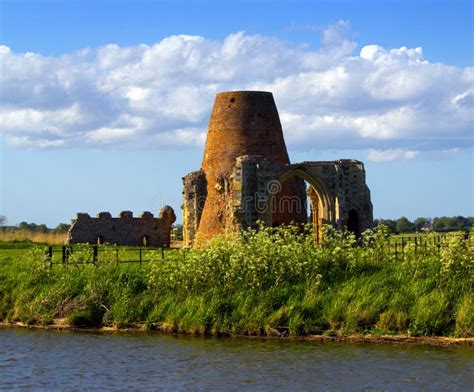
(322, 204)
(353, 222)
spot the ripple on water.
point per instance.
(51, 360)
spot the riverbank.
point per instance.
(62, 325)
(274, 282)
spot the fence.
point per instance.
(95, 254)
(399, 247)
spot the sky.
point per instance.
(105, 104)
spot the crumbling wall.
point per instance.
(342, 183)
(337, 190)
(246, 176)
(194, 197)
(123, 230)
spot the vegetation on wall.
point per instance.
(272, 281)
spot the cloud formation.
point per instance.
(393, 102)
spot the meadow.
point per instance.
(271, 281)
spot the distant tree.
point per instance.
(61, 228)
(41, 228)
(3, 220)
(404, 225)
(421, 223)
(459, 223)
(24, 225)
(178, 228)
(440, 223)
(443, 223)
(390, 223)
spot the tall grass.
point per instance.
(22, 235)
(266, 281)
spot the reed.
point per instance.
(23, 235)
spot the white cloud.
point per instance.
(393, 102)
(391, 154)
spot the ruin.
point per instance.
(246, 176)
(145, 230)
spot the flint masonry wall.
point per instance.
(246, 176)
(123, 230)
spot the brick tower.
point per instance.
(242, 123)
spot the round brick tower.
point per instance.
(241, 123)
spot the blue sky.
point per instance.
(105, 104)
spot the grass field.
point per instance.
(274, 281)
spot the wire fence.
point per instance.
(82, 254)
(95, 254)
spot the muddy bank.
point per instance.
(62, 325)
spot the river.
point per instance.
(66, 360)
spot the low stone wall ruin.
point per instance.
(146, 230)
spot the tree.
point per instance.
(421, 223)
(440, 224)
(42, 228)
(61, 228)
(459, 223)
(3, 220)
(390, 223)
(24, 226)
(404, 225)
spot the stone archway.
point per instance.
(321, 203)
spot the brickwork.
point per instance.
(246, 177)
(241, 123)
(123, 230)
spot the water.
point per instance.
(49, 360)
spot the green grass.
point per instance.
(261, 282)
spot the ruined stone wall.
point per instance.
(336, 188)
(343, 182)
(246, 177)
(241, 123)
(123, 230)
(194, 197)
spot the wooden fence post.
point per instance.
(95, 254)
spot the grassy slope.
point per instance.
(262, 283)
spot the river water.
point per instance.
(50, 360)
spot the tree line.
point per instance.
(401, 225)
(33, 227)
(443, 223)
